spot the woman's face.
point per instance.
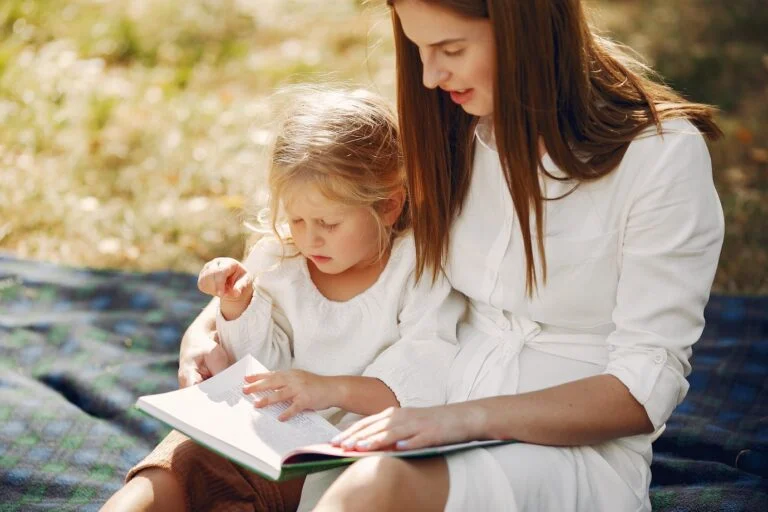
(458, 53)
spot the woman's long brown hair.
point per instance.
(560, 83)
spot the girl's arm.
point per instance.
(259, 328)
(257, 333)
(308, 391)
(415, 367)
(362, 395)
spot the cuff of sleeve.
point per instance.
(419, 382)
(235, 335)
(656, 385)
(404, 390)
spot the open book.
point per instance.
(217, 414)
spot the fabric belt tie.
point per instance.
(486, 375)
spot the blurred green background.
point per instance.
(133, 131)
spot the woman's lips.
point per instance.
(461, 97)
(320, 259)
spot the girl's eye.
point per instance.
(329, 227)
(453, 53)
(295, 221)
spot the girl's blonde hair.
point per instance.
(343, 142)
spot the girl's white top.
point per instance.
(630, 262)
(398, 330)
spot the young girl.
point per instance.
(330, 303)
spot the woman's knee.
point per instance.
(389, 483)
(381, 472)
(371, 479)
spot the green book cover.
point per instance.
(217, 414)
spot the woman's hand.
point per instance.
(304, 390)
(201, 357)
(411, 428)
(230, 281)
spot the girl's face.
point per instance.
(337, 238)
(458, 53)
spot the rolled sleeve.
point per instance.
(672, 241)
(652, 377)
(239, 335)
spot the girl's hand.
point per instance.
(225, 278)
(410, 428)
(304, 390)
(229, 280)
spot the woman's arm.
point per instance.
(582, 412)
(200, 355)
(672, 237)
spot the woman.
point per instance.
(573, 200)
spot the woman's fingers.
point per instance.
(399, 429)
(420, 440)
(385, 438)
(386, 430)
(361, 425)
(189, 376)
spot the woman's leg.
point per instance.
(388, 483)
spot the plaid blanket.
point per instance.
(78, 346)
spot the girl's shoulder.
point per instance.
(403, 253)
(270, 253)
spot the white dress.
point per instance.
(399, 331)
(630, 263)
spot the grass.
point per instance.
(134, 132)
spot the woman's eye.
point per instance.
(295, 221)
(453, 53)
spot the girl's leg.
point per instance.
(388, 483)
(151, 489)
(182, 475)
(156, 489)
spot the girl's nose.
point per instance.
(315, 238)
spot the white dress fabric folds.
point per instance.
(630, 262)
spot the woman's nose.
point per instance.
(434, 75)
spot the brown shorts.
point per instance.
(212, 482)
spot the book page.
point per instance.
(219, 410)
(305, 428)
